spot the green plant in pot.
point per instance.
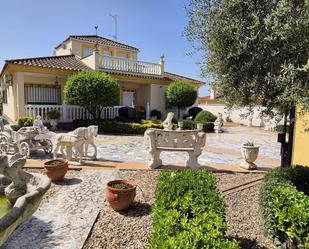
(120, 193)
(249, 153)
(53, 117)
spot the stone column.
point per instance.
(20, 94)
(162, 64)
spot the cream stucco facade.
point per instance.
(40, 81)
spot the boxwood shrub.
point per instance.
(284, 204)
(205, 116)
(191, 125)
(117, 127)
(188, 212)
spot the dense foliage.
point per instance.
(117, 127)
(25, 121)
(205, 116)
(191, 125)
(156, 113)
(188, 212)
(284, 203)
(257, 51)
(54, 114)
(93, 90)
(181, 94)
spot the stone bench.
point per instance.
(191, 141)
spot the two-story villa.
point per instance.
(32, 86)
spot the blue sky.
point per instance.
(34, 27)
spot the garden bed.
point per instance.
(132, 228)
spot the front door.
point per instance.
(128, 98)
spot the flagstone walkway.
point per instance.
(64, 220)
(222, 151)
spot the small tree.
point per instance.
(93, 90)
(181, 94)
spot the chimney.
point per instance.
(162, 64)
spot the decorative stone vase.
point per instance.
(53, 123)
(120, 198)
(199, 126)
(249, 155)
(56, 169)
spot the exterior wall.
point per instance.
(64, 51)
(235, 114)
(9, 109)
(301, 140)
(145, 95)
(157, 98)
(76, 47)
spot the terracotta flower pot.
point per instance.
(120, 199)
(249, 155)
(56, 169)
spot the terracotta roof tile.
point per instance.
(208, 100)
(67, 62)
(172, 76)
(100, 40)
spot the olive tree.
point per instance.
(257, 51)
(181, 94)
(93, 90)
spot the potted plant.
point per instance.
(56, 169)
(249, 153)
(120, 193)
(53, 117)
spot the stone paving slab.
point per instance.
(65, 220)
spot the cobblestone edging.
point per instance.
(65, 220)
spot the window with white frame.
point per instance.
(42, 95)
(87, 51)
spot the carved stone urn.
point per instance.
(249, 154)
(53, 124)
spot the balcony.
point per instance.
(109, 63)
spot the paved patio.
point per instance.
(222, 151)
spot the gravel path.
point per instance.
(131, 229)
(127, 229)
(55, 186)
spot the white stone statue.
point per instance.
(75, 140)
(92, 132)
(167, 124)
(12, 169)
(38, 123)
(1, 123)
(77, 143)
(250, 119)
(218, 123)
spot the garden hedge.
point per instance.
(205, 116)
(191, 125)
(188, 212)
(117, 127)
(284, 204)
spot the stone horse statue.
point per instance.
(92, 132)
(12, 170)
(75, 140)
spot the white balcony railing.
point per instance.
(131, 66)
(68, 112)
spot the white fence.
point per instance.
(69, 112)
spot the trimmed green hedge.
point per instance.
(205, 116)
(117, 127)
(284, 204)
(280, 128)
(25, 121)
(189, 212)
(191, 125)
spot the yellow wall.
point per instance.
(301, 139)
(77, 47)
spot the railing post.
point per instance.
(64, 112)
